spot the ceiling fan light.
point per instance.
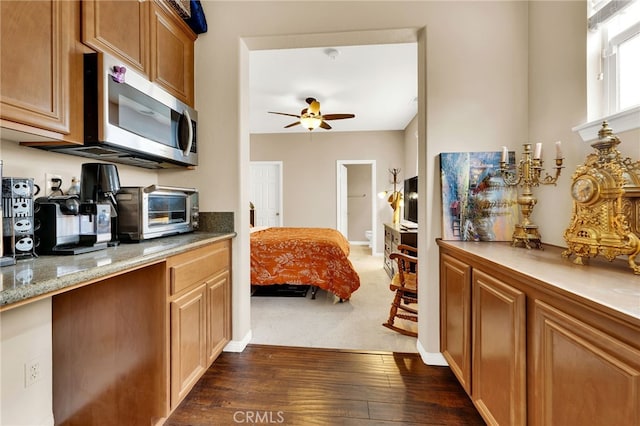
(310, 122)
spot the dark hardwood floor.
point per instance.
(305, 386)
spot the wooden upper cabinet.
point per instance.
(35, 41)
(172, 53)
(148, 36)
(120, 28)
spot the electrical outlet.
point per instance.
(49, 184)
(32, 372)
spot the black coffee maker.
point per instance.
(99, 182)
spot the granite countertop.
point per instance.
(33, 278)
(612, 285)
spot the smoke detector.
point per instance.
(331, 52)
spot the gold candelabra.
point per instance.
(528, 174)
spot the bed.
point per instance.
(310, 256)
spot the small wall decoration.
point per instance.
(476, 203)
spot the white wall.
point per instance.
(557, 102)
(309, 171)
(25, 336)
(410, 167)
(21, 161)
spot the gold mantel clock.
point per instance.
(606, 205)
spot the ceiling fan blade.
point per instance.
(337, 116)
(325, 125)
(292, 124)
(283, 113)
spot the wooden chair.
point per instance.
(405, 285)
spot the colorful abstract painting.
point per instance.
(476, 203)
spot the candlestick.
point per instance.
(538, 152)
(527, 174)
(558, 150)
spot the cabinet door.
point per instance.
(172, 51)
(581, 375)
(391, 241)
(120, 28)
(455, 317)
(218, 315)
(35, 40)
(188, 342)
(499, 351)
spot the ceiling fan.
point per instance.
(311, 117)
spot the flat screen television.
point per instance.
(410, 197)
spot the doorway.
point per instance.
(266, 193)
(295, 330)
(356, 203)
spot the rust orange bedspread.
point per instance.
(314, 256)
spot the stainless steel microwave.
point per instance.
(156, 211)
(131, 120)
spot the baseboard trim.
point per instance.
(431, 358)
(238, 345)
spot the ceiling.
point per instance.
(377, 83)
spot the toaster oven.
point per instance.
(155, 211)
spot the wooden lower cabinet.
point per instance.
(530, 353)
(498, 351)
(393, 236)
(218, 314)
(188, 341)
(128, 348)
(200, 313)
(455, 317)
(581, 375)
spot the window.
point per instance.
(626, 61)
(620, 35)
(613, 65)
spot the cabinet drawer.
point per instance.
(196, 266)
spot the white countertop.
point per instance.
(609, 284)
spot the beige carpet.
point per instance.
(327, 323)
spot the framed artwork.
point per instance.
(476, 203)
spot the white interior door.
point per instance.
(342, 218)
(343, 210)
(266, 192)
